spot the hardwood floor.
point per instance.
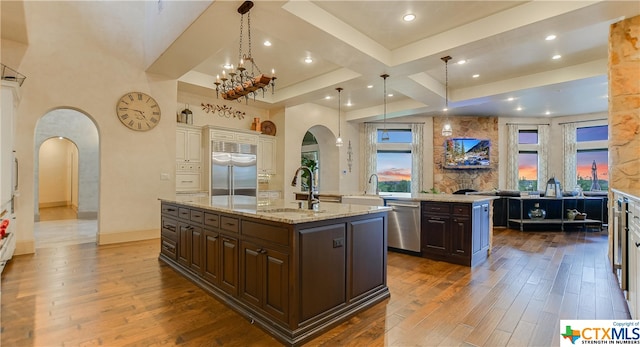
(121, 295)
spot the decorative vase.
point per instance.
(537, 213)
(572, 213)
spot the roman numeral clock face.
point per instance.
(138, 111)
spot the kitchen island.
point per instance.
(446, 227)
(294, 272)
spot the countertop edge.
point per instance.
(304, 216)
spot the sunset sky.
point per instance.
(528, 165)
(394, 166)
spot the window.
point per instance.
(528, 160)
(394, 161)
(527, 171)
(592, 158)
(394, 171)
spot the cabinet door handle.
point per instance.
(263, 251)
(171, 209)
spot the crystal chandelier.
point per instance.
(385, 134)
(242, 83)
(446, 128)
(339, 142)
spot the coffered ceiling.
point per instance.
(352, 43)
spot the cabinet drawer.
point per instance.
(171, 210)
(170, 228)
(184, 213)
(461, 209)
(430, 207)
(188, 181)
(229, 224)
(211, 219)
(168, 248)
(197, 216)
(266, 232)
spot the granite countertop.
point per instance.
(277, 210)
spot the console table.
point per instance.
(556, 208)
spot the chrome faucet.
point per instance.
(311, 201)
(370, 178)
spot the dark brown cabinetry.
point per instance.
(455, 232)
(294, 280)
(264, 275)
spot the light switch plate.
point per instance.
(164, 176)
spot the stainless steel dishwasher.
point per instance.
(404, 225)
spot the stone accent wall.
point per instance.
(450, 180)
(624, 104)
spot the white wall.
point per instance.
(86, 55)
(296, 121)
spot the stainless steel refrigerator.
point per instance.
(234, 169)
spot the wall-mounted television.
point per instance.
(466, 153)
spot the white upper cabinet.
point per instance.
(188, 144)
(188, 158)
(267, 154)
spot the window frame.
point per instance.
(402, 147)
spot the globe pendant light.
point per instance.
(339, 142)
(446, 128)
(385, 134)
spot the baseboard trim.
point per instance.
(128, 236)
(25, 247)
(87, 215)
(54, 204)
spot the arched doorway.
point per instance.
(58, 186)
(318, 145)
(73, 183)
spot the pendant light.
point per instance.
(446, 128)
(385, 134)
(339, 142)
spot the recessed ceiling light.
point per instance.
(550, 37)
(308, 60)
(462, 61)
(409, 17)
(327, 97)
(370, 86)
(445, 109)
(267, 43)
(510, 99)
(547, 113)
(556, 57)
(349, 103)
(519, 108)
(389, 95)
(228, 66)
(475, 76)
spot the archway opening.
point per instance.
(66, 178)
(58, 172)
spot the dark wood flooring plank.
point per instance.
(88, 295)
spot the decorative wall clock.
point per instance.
(138, 111)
